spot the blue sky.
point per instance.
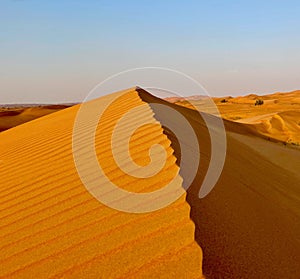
(57, 51)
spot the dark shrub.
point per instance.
(259, 102)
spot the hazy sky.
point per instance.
(58, 50)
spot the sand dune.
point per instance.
(283, 126)
(249, 225)
(14, 116)
(51, 226)
(277, 119)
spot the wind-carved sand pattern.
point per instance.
(52, 227)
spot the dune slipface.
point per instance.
(249, 224)
(51, 226)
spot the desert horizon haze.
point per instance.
(57, 51)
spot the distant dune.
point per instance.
(11, 116)
(277, 118)
(247, 227)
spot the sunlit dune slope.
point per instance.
(12, 117)
(249, 225)
(52, 227)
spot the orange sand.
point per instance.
(248, 226)
(52, 227)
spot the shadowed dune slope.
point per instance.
(52, 227)
(249, 224)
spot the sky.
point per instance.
(59, 50)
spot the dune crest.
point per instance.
(248, 226)
(51, 226)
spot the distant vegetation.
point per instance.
(259, 102)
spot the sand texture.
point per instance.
(52, 227)
(248, 226)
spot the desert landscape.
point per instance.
(247, 227)
(275, 116)
(149, 139)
